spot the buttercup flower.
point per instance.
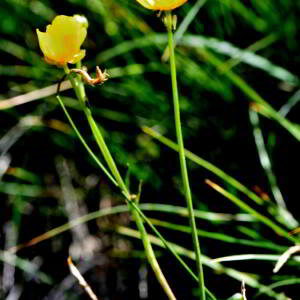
(161, 4)
(61, 42)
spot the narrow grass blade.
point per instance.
(253, 212)
(220, 236)
(205, 164)
(25, 266)
(208, 262)
(265, 162)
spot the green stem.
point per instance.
(80, 93)
(150, 254)
(183, 167)
(163, 240)
(106, 153)
(78, 87)
(84, 143)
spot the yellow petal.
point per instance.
(44, 43)
(77, 57)
(82, 19)
(62, 40)
(161, 4)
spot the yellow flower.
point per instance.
(161, 4)
(61, 42)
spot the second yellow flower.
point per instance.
(161, 4)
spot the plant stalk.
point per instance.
(184, 173)
(78, 87)
(150, 254)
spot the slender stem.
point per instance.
(106, 153)
(78, 86)
(183, 167)
(163, 240)
(84, 143)
(150, 254)
(80, 93)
